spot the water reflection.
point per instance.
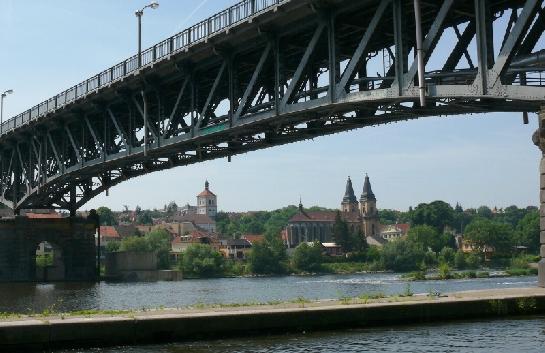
(24, 298)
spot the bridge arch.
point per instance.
(73, 237)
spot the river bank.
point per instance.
(27, 298)
(168, 325)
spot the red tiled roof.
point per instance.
(206, 193)
(404, 227)
(254, 238)
(108, 232)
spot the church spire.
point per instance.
(349, 195)
(367, 193)
(206, 185)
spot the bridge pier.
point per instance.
(73, 237)
(539, 140)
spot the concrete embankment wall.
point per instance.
(178, 326)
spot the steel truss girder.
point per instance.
(286, 86)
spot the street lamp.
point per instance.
(9, 91)
(139, 14)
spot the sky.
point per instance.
(48, 46)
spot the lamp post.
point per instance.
(139, 14)
(9, 91)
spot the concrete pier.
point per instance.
(218, 322)
(539, 140)
(19, 238)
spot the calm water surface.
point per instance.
(25, 298)
(498, 336)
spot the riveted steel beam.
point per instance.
(251, 85)
(297, 76)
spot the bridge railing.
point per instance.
(180, 41)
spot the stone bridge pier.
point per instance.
(20, 236)
(539, 140)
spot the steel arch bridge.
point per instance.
(270, 72)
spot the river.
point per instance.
(517, 335)
(63, 297)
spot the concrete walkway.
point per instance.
(67, 330)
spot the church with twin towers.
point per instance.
(361, 217)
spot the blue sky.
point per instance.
(48, 46)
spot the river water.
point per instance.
(518, 335)
(35, 298)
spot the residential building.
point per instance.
(392, 232)
(253, 238)
(235, 248)
(180, 243)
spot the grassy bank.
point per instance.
(421, 276)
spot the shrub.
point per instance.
(402, 255)
(460, 260)
(473, 261)
(136, 244)
(519, 262)
(308, 258)
(113, 246)
(444, 271)
(447, 255)
(268, 257)
(201, 260)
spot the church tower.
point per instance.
(349, 203)
(368, 210)
(207, 202)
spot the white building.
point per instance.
(207, 202)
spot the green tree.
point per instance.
(358, 242)
(402, 255)
(308, 258)
(447, 255)
(107, 217)
(144, 217)
(512, 215)
(201, 260)
(278, 220)
(473, 261)
(484, 212)
(483, 232)
(268, 257)
(113, 246)
(527, 232)
(136, 244)
(460, 260)
(159, 241)
(437, 214)
(425, 236)
(389, 216)
(341, 235)
(171, 208)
